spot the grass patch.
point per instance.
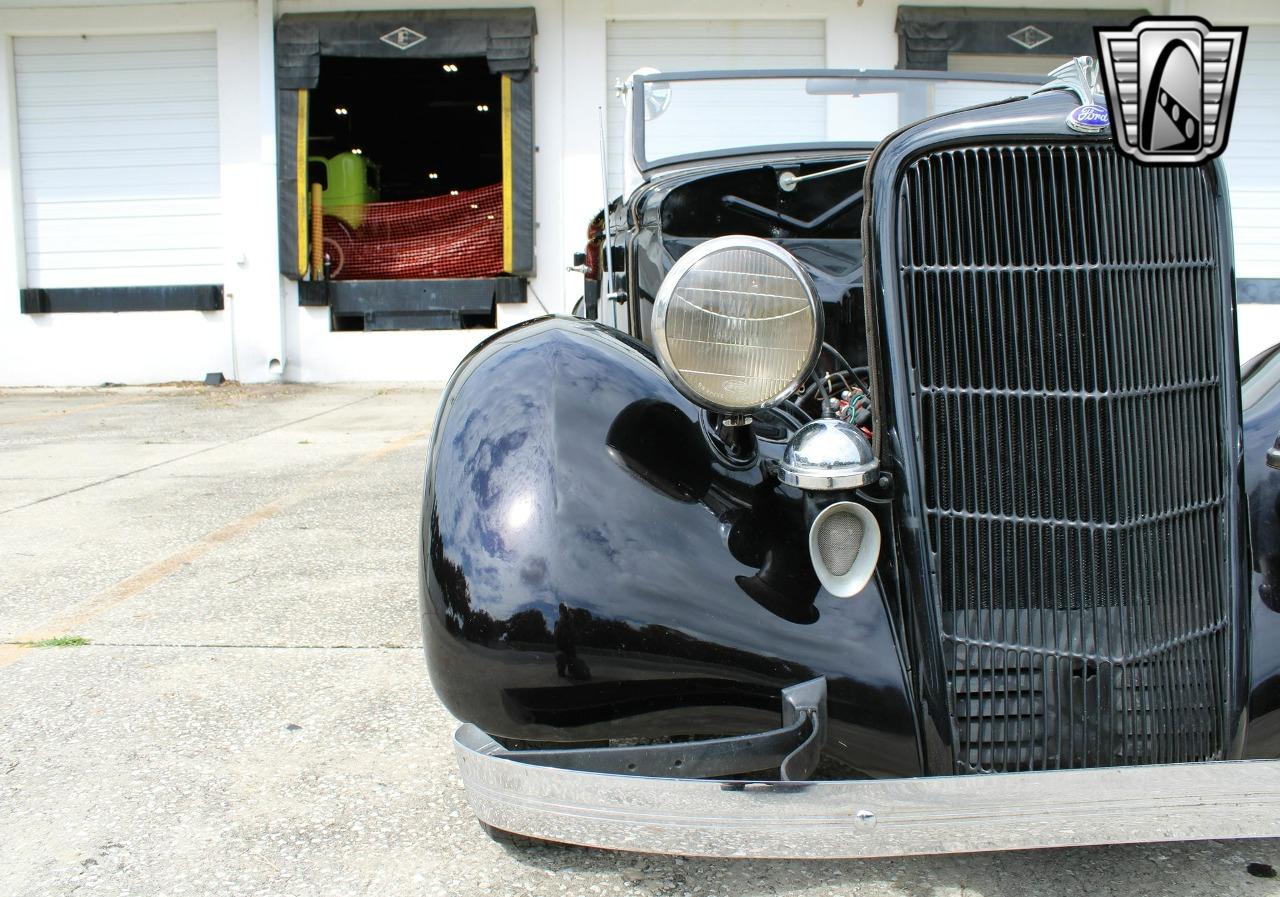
(62, 641)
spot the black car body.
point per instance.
(1079, 557)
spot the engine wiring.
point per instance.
(840, 391)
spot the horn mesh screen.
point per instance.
(839, 537)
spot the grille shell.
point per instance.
(1063, 312)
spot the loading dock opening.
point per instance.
(429, 126)
(406, 164)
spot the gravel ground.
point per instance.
(250, 714)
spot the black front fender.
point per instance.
(1260, 393)
(591, 569)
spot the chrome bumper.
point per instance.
(869, 818)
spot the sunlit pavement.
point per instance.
(250, 712)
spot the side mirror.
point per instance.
(1273, 455)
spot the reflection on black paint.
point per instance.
(578, 629)
(645, 590)
(658, 443)
(568, 664)
(1262, 485)
(667, 450)
(579, 705)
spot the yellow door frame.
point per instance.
(508, 218)
(300, 163)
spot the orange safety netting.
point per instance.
(440, 236)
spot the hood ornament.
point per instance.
(1080, 76)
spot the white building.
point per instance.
(155, 159)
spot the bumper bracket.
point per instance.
(794, 748)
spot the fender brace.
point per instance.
(793, 749)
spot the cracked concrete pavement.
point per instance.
(251, 714)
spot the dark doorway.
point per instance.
(406, 156)
(412, 119)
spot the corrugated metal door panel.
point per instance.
(198, 230)
(54, 134)
(672, 45)
(118, 143)
(1251, 156)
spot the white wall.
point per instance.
(133, 347)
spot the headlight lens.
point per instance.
(737, 324)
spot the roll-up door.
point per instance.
(1251, 158)
(118, 147)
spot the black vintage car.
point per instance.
(871, 463)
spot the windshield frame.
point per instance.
(645, 165)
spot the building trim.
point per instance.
(503, 37)
(199, 297)
(928, 34)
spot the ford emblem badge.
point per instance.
(1089, 119)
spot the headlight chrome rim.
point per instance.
(667, 291)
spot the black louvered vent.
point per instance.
(1064, 316)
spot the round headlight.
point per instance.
(737, 324)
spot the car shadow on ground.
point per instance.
(1131, 869)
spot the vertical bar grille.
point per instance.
(1064, 316)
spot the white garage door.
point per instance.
(1251, 157)
(703, 44)
(118, 143)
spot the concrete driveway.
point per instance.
(251, 714)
